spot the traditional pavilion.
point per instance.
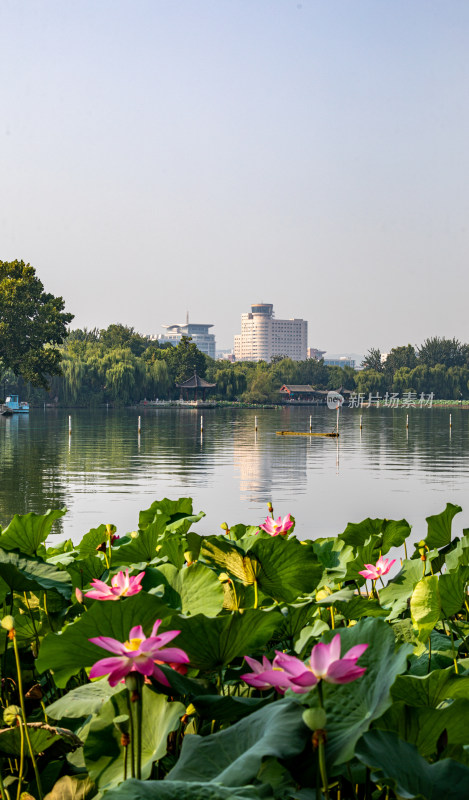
(194, 384)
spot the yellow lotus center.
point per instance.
(133, 644)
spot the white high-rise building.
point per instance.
(262, 336)
(198, 332)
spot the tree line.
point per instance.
(42, 361)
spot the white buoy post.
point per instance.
(310, 424)
(361, 421)
(255, 424)
(337, 423)
(139, 425)
(69, 426)
(450, 421)
(407, 421)
(201, 424)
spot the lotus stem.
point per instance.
(331, 609)
(23, 711)
(132, 740)
(4, 791)
(256, 596)
(405, 548)
(453, 651)
(20, 771)
(139, 734)
(36, 635)
(322, 750)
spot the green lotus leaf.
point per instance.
(225, 556)
(92, 540)
(27, 531)
(71, 787)
(424, 726)
(459, 556)
(42, 737)
(391, 533)
(198, 587)
(438, 656)
(66, 653)
(173, 510)
(104, 754)
(183, 523)
(142, 548)
(359, 607)
(334, 554)
(367, 553)
(228, 709)
(288, 568)
(213, 642)
(26, 573)
(425, 606)
(181, 790)
(439, 526)
(430, 690)
(82, 571)
(295, 618)
(452, 586)
(234, 756)
(82, 701)
(397, 592)
(397, 764)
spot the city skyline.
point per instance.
(161, 156)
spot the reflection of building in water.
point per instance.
(268, 466)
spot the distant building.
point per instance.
(199, 334)
(313, 352)
(262, 336)
(340, 361)
(225, 355)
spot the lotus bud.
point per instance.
(79, 595)
(8, 623)
(314, 718)
(270, 507)
(224, 526)
(322, 594)
(10, 714)
(134, 534)
(134, 681)
(224, 578)
(122, 723)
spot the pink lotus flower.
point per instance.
(122, 585)
(383, 565)
(256, 677)
(138, 654)
(325, 664)
(79, 595)
(279, 526)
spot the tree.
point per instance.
(32, 323)
(372, 360)
(398, 357)
(450, 352)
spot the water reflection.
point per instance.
(106, 471)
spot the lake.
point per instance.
(105, 472)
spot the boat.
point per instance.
(13, 405)
(333, 434)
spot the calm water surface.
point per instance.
(105, 472)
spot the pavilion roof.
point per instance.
(196, 382)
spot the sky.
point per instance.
(165, 156)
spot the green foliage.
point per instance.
(209, 734)
(32, 324)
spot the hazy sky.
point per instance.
(158, 156)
